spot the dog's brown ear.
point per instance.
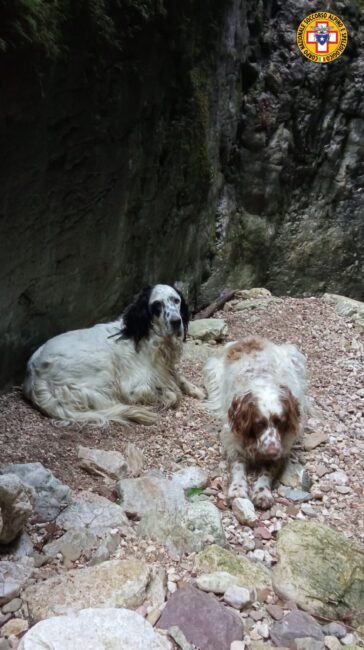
(185, 313)
(137, 318)
(291, 410)
(242, 415)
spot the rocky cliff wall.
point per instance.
(144, 141)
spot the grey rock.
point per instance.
(334, 629)
(208, 329)
(5, 644)
(218, 582)
(135, 459)
(253, 303)
(177, 635)
(190, 477)
(238, 597)
(333, 565)
(22, 547)
(12, 606)
(295, 625)
(103, 463)
(99, 629)
(188, 530)
(116, 583)
(139, 496)
(332, 643)
(244, 511)
(296, 495)
(92, 511)
(306, 643)
(295, 476)
(249, 574)
(50, 495)
(202, 619)
(16, 505)
(308, 510)
(97, 543)
(13, 577)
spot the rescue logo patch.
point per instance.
(322, 37)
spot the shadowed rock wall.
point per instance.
(185, 141)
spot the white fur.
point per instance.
(91, 375)
(263, 373)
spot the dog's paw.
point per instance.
(237, 490)
(197, 392)
(263, 498)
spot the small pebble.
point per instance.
(308, 510)
(237, 597)
(275, 612)
(332, 643)
(237, 645)
(12, 606)
(258, 554)
(349, 639)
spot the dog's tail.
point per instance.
(80, 404)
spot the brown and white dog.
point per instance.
(257, 388)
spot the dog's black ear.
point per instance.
(137, 319)
(185, 314)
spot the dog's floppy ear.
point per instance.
(137, 319)
(185, 313)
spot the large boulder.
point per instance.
(50, 495)
(321, 570)
(99, 629)
(116, 583)
(16, 506)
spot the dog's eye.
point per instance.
(176, 301)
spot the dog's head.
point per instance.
(265, 430)
(160, 308)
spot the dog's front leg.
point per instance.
(238, 481)
(262, 496)
(188, 388)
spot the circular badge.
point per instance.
(322, 37)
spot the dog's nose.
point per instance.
(176, 323)
(272, 451)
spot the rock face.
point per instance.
(202, 619)
(332, 583)
(99, 629)
(237, 154)
(50, 495)
(117, 583)
(16, 501)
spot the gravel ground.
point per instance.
(189, 435)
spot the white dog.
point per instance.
(258, 390)
(108, 371)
